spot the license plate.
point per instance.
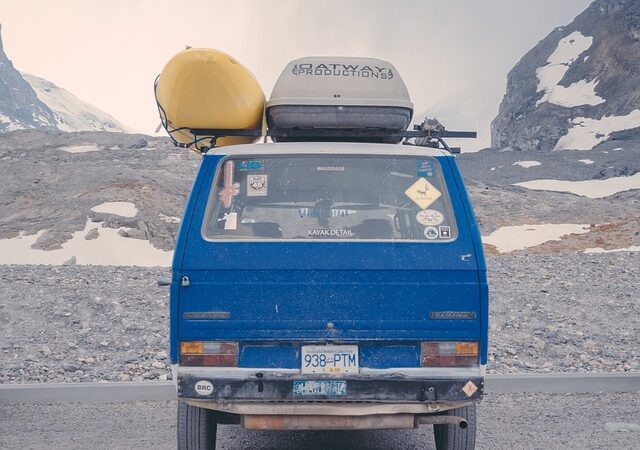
(302, 388)
(330, 359)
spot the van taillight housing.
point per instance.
(449, 354)
(209, 354)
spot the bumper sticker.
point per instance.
(204, 388)
(302, 388)
(470, 388)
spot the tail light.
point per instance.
(449, 354)
(212, 354)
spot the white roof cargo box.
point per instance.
(339, 98)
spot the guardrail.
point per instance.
(552, 383)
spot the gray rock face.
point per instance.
(27, 101)
(19, 103)
(611, 62)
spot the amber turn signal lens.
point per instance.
(191, 348)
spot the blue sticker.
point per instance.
(424, 168)
(244, 166)
(313, 388)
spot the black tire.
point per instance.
(197, 428)
(452, 437)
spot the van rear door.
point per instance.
(331, 247)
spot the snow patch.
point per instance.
(579, 93)
(586, 188)
(80, 148)
(123, 209)
(586, 161)
(108, 249)
(527, 164)
(587, 133)
(168, 219)
(633, 248)
(518, 237)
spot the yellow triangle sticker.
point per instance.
(423, 193)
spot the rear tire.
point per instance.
(452, 437)
(197, 428)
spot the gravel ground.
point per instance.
(505, 422)
(549, 313)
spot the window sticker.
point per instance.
(424, 168)
(330, 168)
(330, 233)
(245, 166)
(431, 233)
(315, 212)
(422, 193)
(445, 232)
(256, 185)
(248, 220)
(230, 221)
(229, 188)
(429, 217)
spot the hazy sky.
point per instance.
(109, 52)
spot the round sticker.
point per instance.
(431, 233)
(203, 387)
(429, 217)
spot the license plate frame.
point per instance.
(329, 359)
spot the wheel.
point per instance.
(196, 428)
(452, 437)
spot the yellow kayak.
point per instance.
(204, 88)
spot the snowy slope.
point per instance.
(72, 114)
(578, 87)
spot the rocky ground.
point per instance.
(549, 313)
(45, 187)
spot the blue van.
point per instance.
(328, 286)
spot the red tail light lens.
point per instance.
(209, 354)
(449, 354)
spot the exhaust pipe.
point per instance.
(440, 419)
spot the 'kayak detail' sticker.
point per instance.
(429, 217)
(256, 185)
(204, 388)
(423, 193)
(337, 233)
(431, 233)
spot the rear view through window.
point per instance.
(330, 198)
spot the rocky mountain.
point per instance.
(72, 114)
(579, 86)
(27, 101)
(20, 106)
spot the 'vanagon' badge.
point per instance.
(452, 315)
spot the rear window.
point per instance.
(316, 198)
